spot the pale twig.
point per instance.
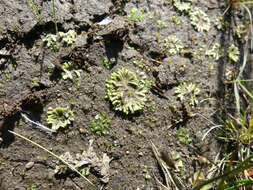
(170, 178)
(53, 154)
(209, 130)
(39, 126)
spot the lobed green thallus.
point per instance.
(127, 91)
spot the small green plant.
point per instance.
(219, 23)
(101, 124)
(55, 41)
(146, 173)
(59, 117)
(70, 73)
(51, 42)
(107, 63)
(182, 6)
(173, 45)
(161, 24)
(127, 91)
(188, 93)
(176, 20)
(136, 15)
(215, 52)
(240, 31)
(183, 136)
(33, 187)
(199, 20)
(68, 38)
(35, 82)
(233, 53)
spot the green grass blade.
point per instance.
(241, 183)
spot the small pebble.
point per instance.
(29, 165)
(82, 130)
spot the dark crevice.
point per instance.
(118, 7)
(98, 18)
(34, 34)
(112, 49)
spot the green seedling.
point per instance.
(183, 136)
(146, 173)
(69, 38)
(240, 31)
(215, 52)
(59, 117)
(233, 53)
(69, 73)
(188, 93)
(55, 41)
(51, 42)
(107, 63)
(101, 124)
(176, 20)
(172, 45)
(182, 6)
(161, 24)
(33, 187)
(136, 16)
(35, 82)
(239, 129)
(127, 91)
(219, 23)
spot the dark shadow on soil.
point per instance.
(56, 75)
(221, 87)
(9, 124)
(29, 38)
(32, 108)
(112, 50)
(226, 40)
(130, 117)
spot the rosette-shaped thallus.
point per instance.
(126, 91)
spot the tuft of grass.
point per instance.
(54, 16)
(36, 9)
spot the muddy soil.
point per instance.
(23, 24)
